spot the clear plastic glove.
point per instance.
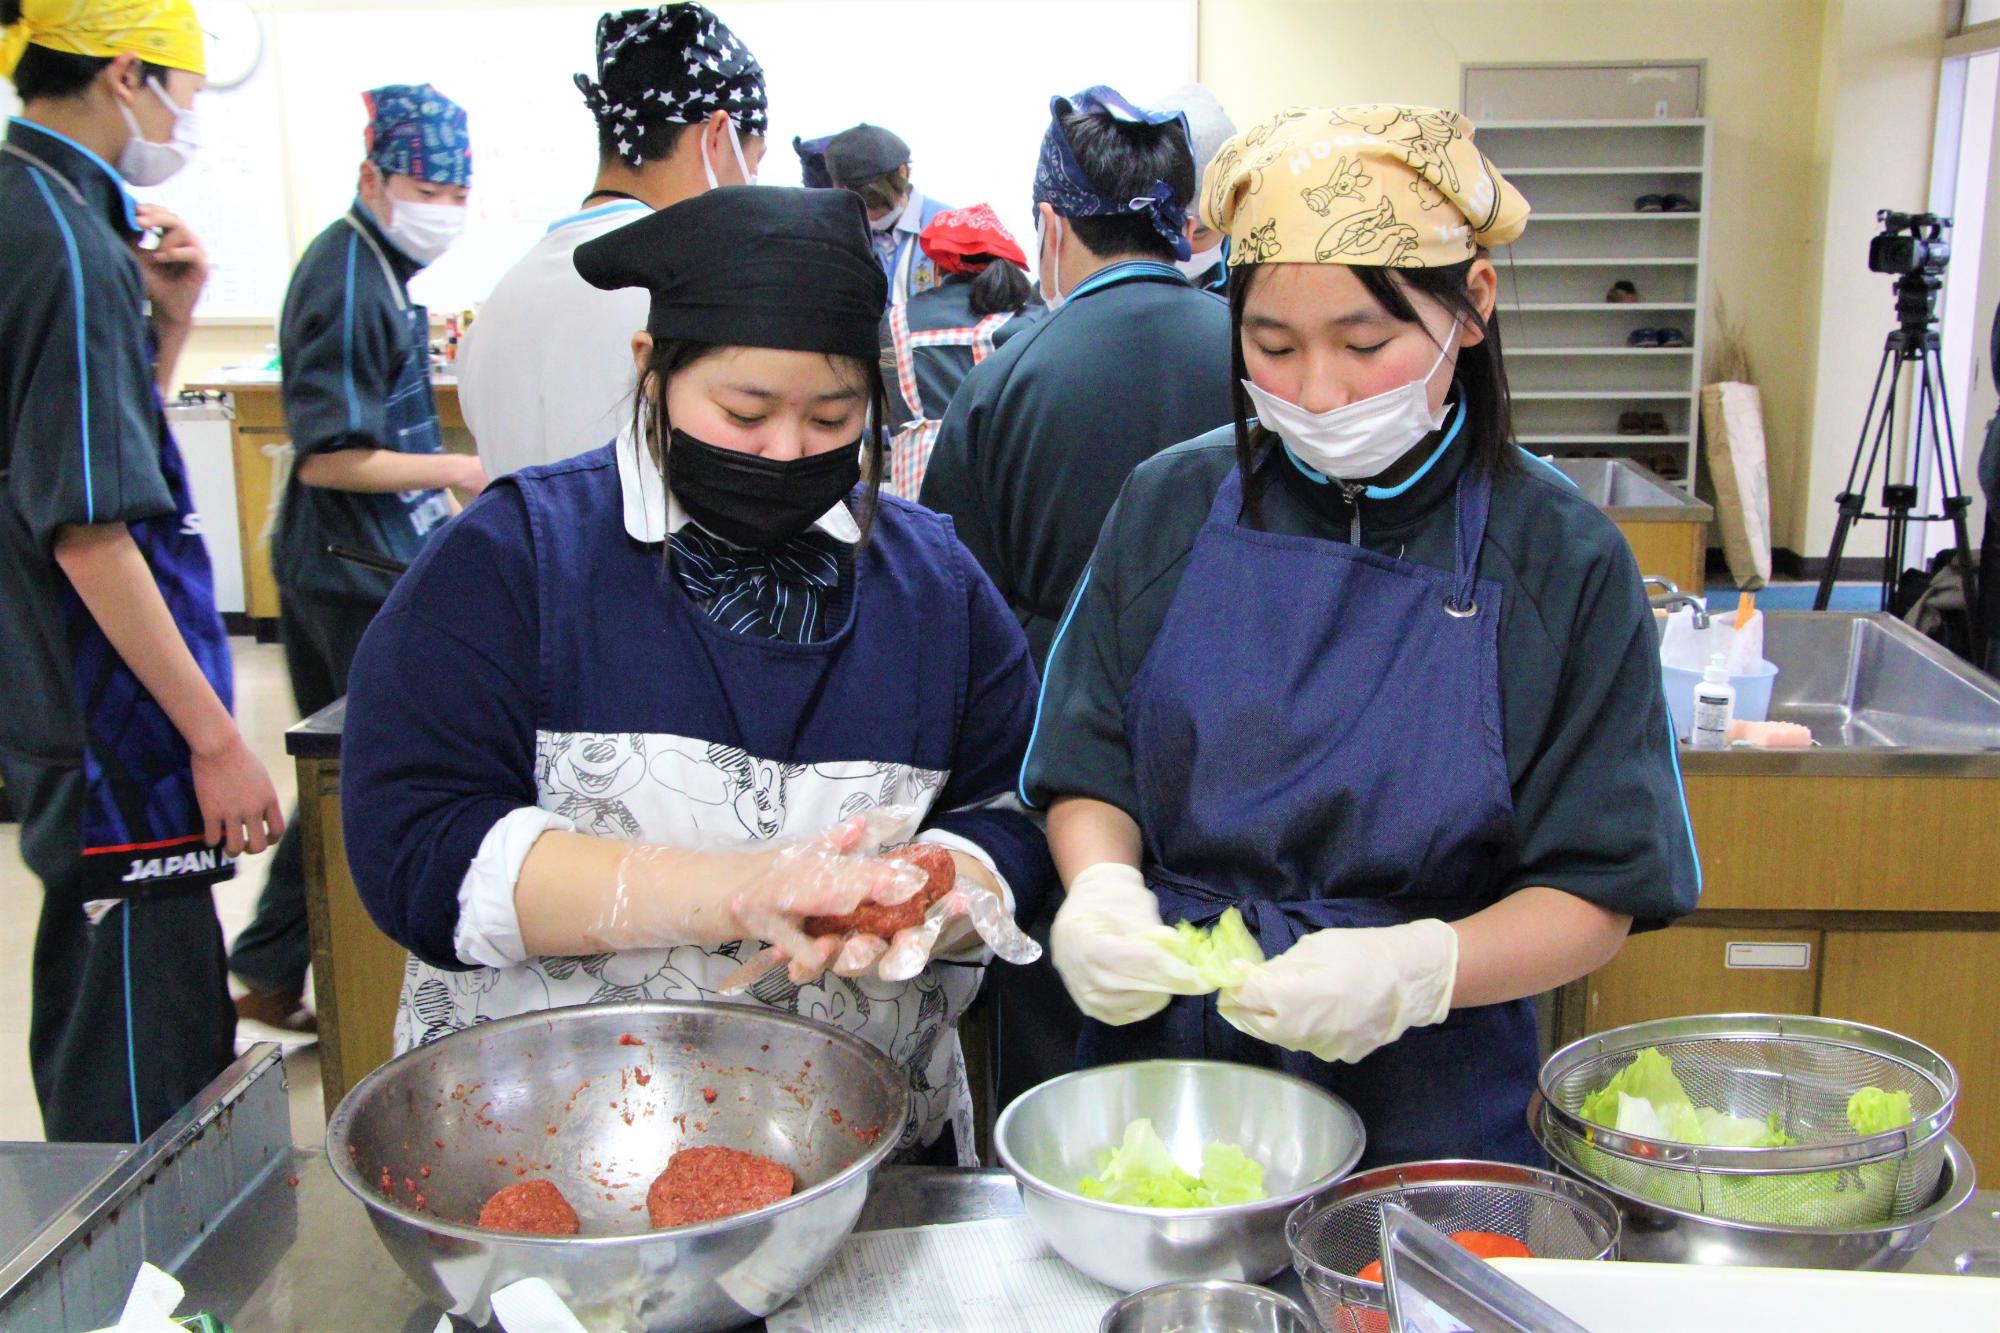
(777, 888)
(944, 916)
(1340, 994)
(1114, 955)
(963, 910)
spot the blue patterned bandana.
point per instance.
(1061, 184)
(415, 130)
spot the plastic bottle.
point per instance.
(1714, 706)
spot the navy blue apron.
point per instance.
(402, 522)
(1316, 740)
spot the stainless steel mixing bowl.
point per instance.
(1207, 1307)
(1053, 1135)
(596, 1098)
(1655, 1233)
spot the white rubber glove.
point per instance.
(1114, 955)
(1340, 994)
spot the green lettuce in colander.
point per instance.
(1647, 1099)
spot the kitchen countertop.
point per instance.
(318, 737)
(303, 1255)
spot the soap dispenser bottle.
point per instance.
(1714, 706)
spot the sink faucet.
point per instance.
(1680, 599)
(1667, 586)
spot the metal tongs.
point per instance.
(1434, 1286)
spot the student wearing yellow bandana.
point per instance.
(133, 785)
(1359, 667)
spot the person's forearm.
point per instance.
(378, 471)
(1531, 941)
(170, 340)
(1084, 832)
(111, 576)
(579, 894)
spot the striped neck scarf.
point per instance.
(778, 594)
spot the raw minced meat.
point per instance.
(884, 920)
(533, 1206)
(704, 1184)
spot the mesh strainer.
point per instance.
(1336, 1234)
(1800, 1069)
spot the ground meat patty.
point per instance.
(703, 1184)
(533, 1206)
(884, 921)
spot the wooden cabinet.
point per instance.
(1705, 970)
(1938, 987)
(357, 970)
(1676, 551)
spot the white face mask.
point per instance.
(1361, 439)
(142, 162)
(1197, 264)
(888, 219)
(423, 231)
(1051, 299)
(736, 147)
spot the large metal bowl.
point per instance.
(1053, 1135)
(596, 1098)
(1656, 1233)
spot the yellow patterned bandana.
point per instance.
(163, 32)
(1373, 185)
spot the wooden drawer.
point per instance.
(1705, 970)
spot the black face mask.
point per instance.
(758, 502)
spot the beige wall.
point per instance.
(1823, 112)
(1876, 117)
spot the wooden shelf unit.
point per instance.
(1571, 369)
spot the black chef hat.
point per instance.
(863, 153)
(677, 64)
(751, 266)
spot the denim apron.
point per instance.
(1316, 741)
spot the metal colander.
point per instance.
(1336, 1234)
(1800, 1069)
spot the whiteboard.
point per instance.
(966, 84)
(233, 197)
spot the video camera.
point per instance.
(1910, 243)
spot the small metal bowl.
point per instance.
(1207, 1307)
(596, 1098)
(1051, 1137)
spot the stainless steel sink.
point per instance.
(1630, 493)
(1879, 697)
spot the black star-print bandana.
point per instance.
(676, 64)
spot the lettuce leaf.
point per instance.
(1223, 954)
(1141, 1172)
(1720, 1130)
(1873, 1111)
(1647, 1098)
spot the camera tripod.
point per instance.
(1912, 342)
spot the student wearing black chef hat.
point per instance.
(655, 690)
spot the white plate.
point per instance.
(1688, 1298)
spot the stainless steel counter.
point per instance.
(304, 1257)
